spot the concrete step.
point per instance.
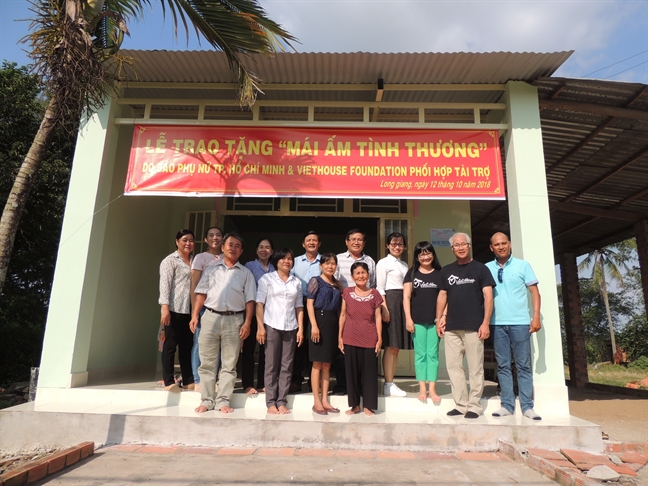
(61, 417)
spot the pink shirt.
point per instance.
(360, 326)
(201, 260)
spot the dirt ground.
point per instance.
(624, 418)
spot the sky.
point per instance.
(609, 37)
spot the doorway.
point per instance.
(289, 231)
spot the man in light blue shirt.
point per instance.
(513, 323)
(306, 267)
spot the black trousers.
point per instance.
(362, 376)
(247, 360)
(177, 335)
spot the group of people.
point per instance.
(338, 312)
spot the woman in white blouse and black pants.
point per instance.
(280, 308)
(390, 272)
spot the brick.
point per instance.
(87, 449)
(125, 447)
(582, 480)
(623, 470)
(636, 446)
(614, 447)
(36, 471)
(395, 455)
(72, 456)
(345, 454)
(546, 454)
(564, 463)
(196, 450)
(585, 459)
(315, 452)
(151, 449)
(563, 477)
(277, 451)
(55, 462)
(503, 457)
(478, 456)
(636, 457)
(233, 451)
(17, 477)
(434, 456)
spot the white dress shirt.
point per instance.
(280, 300)
(390, 272)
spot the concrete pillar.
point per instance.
(574, 328)
(69, 321)
(530, 226)
(641, 234)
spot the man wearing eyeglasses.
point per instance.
(513, 325)
(466, 289)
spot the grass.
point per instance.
(614, 375)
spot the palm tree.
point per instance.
(75, 49)
(608, 262)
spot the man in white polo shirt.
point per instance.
(513, 324)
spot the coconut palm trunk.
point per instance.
(604, 294)
(71, 44)
(22, 187)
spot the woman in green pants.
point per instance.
(420, 292)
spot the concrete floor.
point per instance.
(186, 466)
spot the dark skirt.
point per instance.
(324, 351)
(394, 333)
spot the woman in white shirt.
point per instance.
(214, 240)
(390, 272)
(280, 309)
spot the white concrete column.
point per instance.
(69, 320)
(531, 239)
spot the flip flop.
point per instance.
(332, 410)
(319, 412)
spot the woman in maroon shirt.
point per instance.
(360, 340)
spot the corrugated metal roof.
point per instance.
(349, 68)
(594, 161)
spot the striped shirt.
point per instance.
(360, 325)
(343, 271)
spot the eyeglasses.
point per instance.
(500, 273)
(397, 245)
(460, 245)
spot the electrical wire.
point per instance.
(618, 62)
(626, 70)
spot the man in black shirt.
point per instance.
(467, 290)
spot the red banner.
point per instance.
(315, 162)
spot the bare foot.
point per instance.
(368, 412)
(273, 410)
(422, 396)
(330, 408)
(191, 387)
(251, 391)
(353, 411)
(283, 410)
(436, 399)
(201, 409)
(173, 388)
(197, 387)
(226, 409)
(262, 390)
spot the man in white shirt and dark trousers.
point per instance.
(306, 267)
(228, 291)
